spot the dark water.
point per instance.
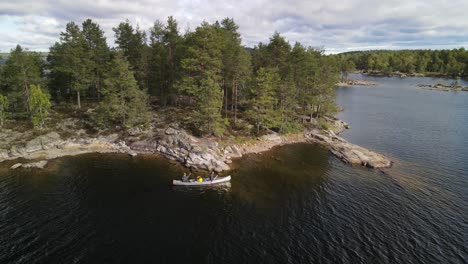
(295, 204)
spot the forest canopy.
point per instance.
(206, 72)
(436, 62)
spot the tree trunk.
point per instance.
(78, 99)
(235, 105)
(98, 90)
(225, 99)
(232, 95)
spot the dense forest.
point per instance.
(207, 72)
(432, 62)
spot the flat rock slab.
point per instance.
(349, 153)
(36, 165)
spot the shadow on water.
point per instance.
(272, 178)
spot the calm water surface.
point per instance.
(295, 204)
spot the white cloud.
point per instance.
(338, 26)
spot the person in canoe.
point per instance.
(186, 177)
(199, 179)
(213, 176)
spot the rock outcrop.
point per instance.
(349, 153)
(443, 87)
(175, 143)
(51, 146)
(35, 165)
(352, 82)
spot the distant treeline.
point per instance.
(207, 71)
(439, 62)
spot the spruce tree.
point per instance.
(99, 53)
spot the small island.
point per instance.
(443, 87)
(201, 98)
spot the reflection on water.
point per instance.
(220, 188)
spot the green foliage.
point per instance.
(22, 69)
(207, 71)
(71, 61)
(99, 54)
(261, 105)
(124, 103)
(202, 77)
(324, 124)
(445, 62)
(166, 46)
(209, 103)
(39, 104)
(132, 42)
(4, 104)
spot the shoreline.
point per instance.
(403, 75)
(175, 143)
(355, 82)
(443, 87)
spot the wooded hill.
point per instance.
(432, 62)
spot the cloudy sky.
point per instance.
(339, 25)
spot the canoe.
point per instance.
(207, 181)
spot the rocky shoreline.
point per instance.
(443, 87)
(177, 144)
(354, 82)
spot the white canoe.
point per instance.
(205, 182)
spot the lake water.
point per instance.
(294, 204)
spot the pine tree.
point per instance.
(99, 53)
(202, 77)
(263, 100)
(132, 42)
(165, 44)
(124, 103)
(71, 61)
(39, 104)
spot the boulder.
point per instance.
(274, 137)
(134, 131)
(172, 131)
(236, 152)
(43, 142)
(15, 166)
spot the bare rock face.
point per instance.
(176, 144)
(4, 154)
(36, 165)
(43, 142)
(349, 153)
